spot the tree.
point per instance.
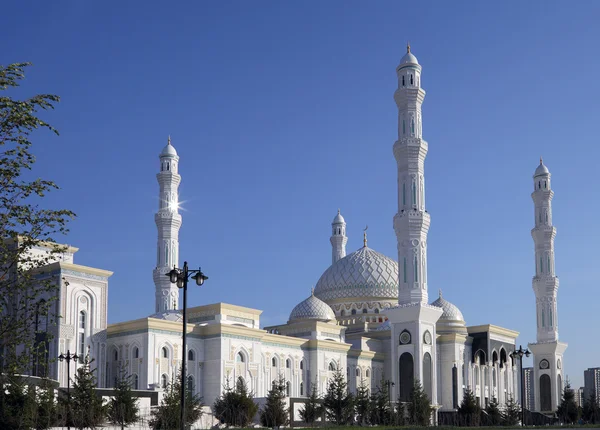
(87, 409)
(469, 411)
(26, 301)
(363, 404)
(16, 405)
(275, 412)
(338, 402)
(493, 413)
(168, 414)
(419, 407)
(381, 412)
(46, 411)
(235, 407)
(591, 409)
(122, 408)
(512, 412)
(313, 408)
(567, 411)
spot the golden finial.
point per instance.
(407, 47)
(365, 236)
(169, 140)
(541, 161)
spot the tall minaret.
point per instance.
(547, 351)
(413, 322)
(168, 222)
(338, 238)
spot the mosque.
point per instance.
(369, 314)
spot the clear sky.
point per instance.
(282, 112)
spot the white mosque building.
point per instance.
(369, 314)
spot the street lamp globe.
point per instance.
(200, 278)
(173, 275)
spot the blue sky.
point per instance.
(282, 112)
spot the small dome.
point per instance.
(541, 170)
(312, 309)
(409, 58)
(339, 219)
(451, 312)
(169, 150)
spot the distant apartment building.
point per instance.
(579, 399)
(529, 394)
(591, 382)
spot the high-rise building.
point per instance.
(529, 400)
(591, 382)
(579, 398)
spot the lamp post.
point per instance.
(180, 277)
(519, 354)
(68, 358)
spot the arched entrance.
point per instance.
(406, 373)
(427, 386)
(545, 393)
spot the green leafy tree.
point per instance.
(275, 413)
(493, 413)
(567, 411)
(168, 415)
(381, 412)
(591, 409)
(511, 415)
(469, 411)
(123, 409)
(87, 409)
(235, 407)
(338, 401)
(26, 302)
(363, 404)
(313, 408)
(418, 406)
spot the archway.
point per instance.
(406, 376)
(545, 393)
(427, 386)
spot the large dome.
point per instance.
(312, 309)
(364, 273)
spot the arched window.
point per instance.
(342, 313)
(358, 372)
(136, 382)
(353, 312)
(403, 84)
(302, 365)
(301, 388)
(412, 126)
(274, 362)
(411, 79)
(406, 373)
(403, 126)
(543, 318)
(376, 310)
(416, 266)
(332, 366)
(191, 356)
(81, 335)
(404, 193)
(545, 393)
(405, 270)
(164, 381)
(116, 355)
(288, 389)
(136, 352)
(414, 193)
(364, 310)
(167, 166)
(550, 316)
(165, 352)
(240, 358)
(539, 184)
(190, 384)
(545, 184)
(427, 374)
(368, 373)
(288, 364)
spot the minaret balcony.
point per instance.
(411, 96)
(410, 148)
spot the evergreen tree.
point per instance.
(87, 409)
(363, 404)
(381, 412)
(493, 413)
(122, 408)
(591, 409)
(419, 407)
(567, 411)
(47, 411)
(275, 413)
(168, 415)
(16, 404)
(512, 412)
(235, 407)
(469, 411)
(338, 402)
(313, 408)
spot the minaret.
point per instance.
(168, 222)
(413, 322)
(338, 238)
(547, 351)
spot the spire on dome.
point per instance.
(541, 160)
(365, 236)
(169, 140)
(440, 292)
(408, 47)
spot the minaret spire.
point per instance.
(168, 222)
(338, 238)
(547, 351)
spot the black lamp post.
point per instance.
(519, 354)
(180, 277)
(68, 358)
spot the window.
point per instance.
(353, 311)
(368, 373)
(191, 356)
(165, 352)
(545, 184)
(404, 193)
(82, 320)
(411, 79)
(136, 352)
(164, 381)
(342, 313)
(414, 193)
(274, 362)
(239, 358)
(358, 372)
(376, 310)
(403, 127)
(403, 81)
(412, 126)
(543, 318)
(288, 364)
(81, 335)
(288, 389)
(332, 366)
(190, 383)
(302, 365)
(116, 355)
(364, 310)
(416, 265)
(404, 269)
(167, 166)
(301, 388)
(136, 382)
